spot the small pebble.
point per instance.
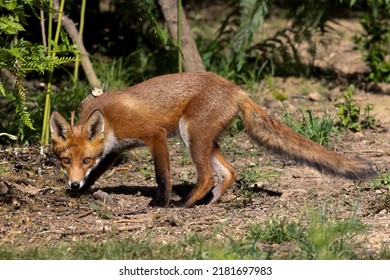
(103, 196)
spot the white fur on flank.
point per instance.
(183, 130)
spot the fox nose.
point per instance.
(74, 185)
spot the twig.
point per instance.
(129, 228)
(82, 215)
(43, 31)
(134, 221)
(134, 212)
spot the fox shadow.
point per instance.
(147, 191)
(180, 190)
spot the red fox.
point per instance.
(199, 106)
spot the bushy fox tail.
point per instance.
(267, 131)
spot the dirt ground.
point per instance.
(36, 209)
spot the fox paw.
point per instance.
(159, 203)
(183, 203)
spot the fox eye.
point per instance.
(86, 160)
(65, 160)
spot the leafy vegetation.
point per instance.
(382, 182)
(349, 117)
(315, 128)
(323, 237)
(349, 114)
(19, 56)
(375, 40)
(248, 183)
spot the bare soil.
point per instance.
(36, 209)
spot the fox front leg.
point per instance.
(158, 146)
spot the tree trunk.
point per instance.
(192, 61)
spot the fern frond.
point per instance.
(44, 63)
(24, 115)
(10, 25)
(31, 57)
(9, 5)
(21, 98)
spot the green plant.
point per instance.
(315, 128)
(235, 53)
(102, 210)
(10, 136)
(316, 235)
(20, 57)
(375, 40)
(252, 175)
(147, 172)
(382, 181)
(385, 253)
(247, 183)
(70, 97)
(236, 126)
(369, 120)
(148, 7)
(3, 169)
(321, 237)
(349, 113)
(275, 231)
(275, 92)
(115, 74)
(229, 53)
(328, 238)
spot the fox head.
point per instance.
(78, 148)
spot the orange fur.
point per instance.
(199, 106)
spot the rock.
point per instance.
(103, 196)
(274, 104)
(3, 188)
(314, 96)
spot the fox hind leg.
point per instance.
(201, 152)
(226, 175)
(208, 159)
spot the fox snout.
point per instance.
(78, 185)
(74, 185)
(75, 177)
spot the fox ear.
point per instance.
(59, 127)
(94, 127)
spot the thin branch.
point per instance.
(43, 30)
(74, 35)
